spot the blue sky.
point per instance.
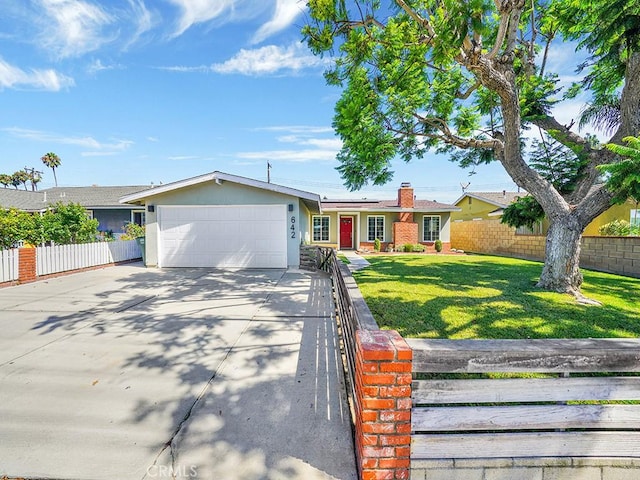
(139, 91)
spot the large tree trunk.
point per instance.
(562, 257)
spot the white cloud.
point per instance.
(14, 77)
(97, 66)
(269, 60)
(286, 12)
(73, 27)
(326, 143)
(84, 142)
(199, 11)
(184, 157)
(312, 148)
(143, 19)
(297, 156)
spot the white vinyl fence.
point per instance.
(8, 265)
(61, 258)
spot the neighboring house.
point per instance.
(355, 224)
(102, 203)
(483, 205)
(223, 220)
(487, 205)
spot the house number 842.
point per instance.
(293, 227)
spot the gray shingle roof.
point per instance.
(381, 205)
(499, 199)
(89, 197)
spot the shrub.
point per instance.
(132, 231)
(617, 228)
(377, 244)
(410, 247)
(438, 245)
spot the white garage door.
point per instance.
(242, 236)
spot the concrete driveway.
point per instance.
(134, 373)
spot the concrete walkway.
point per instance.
(133, 373)
(357, 262)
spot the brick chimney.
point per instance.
(405, 195)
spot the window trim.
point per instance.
(143, 214)
(313, 231)
(424, 230)
(634, 216)
(384, 227)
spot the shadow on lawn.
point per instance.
(214, 348)
(475, 297)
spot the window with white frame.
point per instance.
(138, 217)
(430, 228)
(375, 228)
(634, 218)
(320, 228)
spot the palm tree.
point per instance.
(5, 180)
(20, 178)
(52, 161)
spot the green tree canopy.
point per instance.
(466, 78)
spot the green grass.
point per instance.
(476, 296)
(344, 259)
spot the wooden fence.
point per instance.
(490, 409)
(8, 265)
(587, 404)
(62, 258)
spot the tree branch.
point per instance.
(502, 31)
(416, 17)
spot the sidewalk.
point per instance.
(357, 262)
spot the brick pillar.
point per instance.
(404, 232)
(26, 265)
(383, 410)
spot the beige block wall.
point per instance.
(620, 255)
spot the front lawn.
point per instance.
(474, 296)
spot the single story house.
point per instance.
(486, 205)
(224, 220)
(102, 203)
(356, 224)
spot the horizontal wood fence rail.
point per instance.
(595, 414)
(8, 265)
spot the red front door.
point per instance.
(346, 232)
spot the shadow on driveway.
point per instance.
(133, 373)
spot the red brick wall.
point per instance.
(26, 265)
(405, 217)
(404, 232)
(383, 405)
(405, 197)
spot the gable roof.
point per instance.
(499, 199)
(22, 200)
(386, 205)
(94, 197)
(311, 200)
